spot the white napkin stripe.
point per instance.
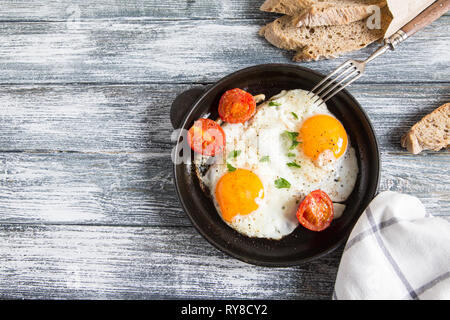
(372, 231)
(388, 256)
(360, 236)
(419, 290)
(433, 283)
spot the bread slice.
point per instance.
(430, 133)
(329, 15)
(314, 43)
(323, 12)
(289, 7)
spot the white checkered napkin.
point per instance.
(396, 251)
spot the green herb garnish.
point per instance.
(264, 159)
(274, 104)
(290, 154)
(281, 183)
(234, 154)
(292, 135)
(293, 165)
(230, 167)
(295, 115)
(294, 144)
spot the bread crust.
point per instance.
(289, 7)
(293, 7)
(329, 15)
(432, 132)
(323, 42)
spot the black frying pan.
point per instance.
(302, 245)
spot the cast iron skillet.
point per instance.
(302, 245)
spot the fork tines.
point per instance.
(345, 75)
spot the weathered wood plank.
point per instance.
(143, 263)
(169, 52)
(71, 188)
(86, 118)
(423, 176)
(135, 118)
(58, 10)
(394, 108)
(137, 189)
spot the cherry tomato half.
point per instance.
(236, 106)
(316, 211)
(206, 137)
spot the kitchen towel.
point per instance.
(396, 251)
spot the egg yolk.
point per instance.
(237, 193)
(322, 133)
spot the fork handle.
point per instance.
(426, 17)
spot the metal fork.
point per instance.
(352, 70)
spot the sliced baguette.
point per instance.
(430, 133)
(323, 42)
(289, 7)
(329, 15)
(323, 12)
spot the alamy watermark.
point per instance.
(374, 19)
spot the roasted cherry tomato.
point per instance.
(316, 211)
(206, 137)
(236, 106)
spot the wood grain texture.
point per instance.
(169, 52)
(55, 262)
(138, 190)
(135, 118)
(62, 10)
(100, 189)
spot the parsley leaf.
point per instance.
(230, 167)
(234, 154)
(281, 183)
(293, 165)
(290, 154)
(274, 104)
(292, 135)
(295, 115)
(264, 159)
(294, 144)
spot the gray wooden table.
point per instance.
(87, 203)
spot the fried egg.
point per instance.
(290, 147)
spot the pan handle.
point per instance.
(182, 103)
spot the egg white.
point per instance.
(263, 137)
